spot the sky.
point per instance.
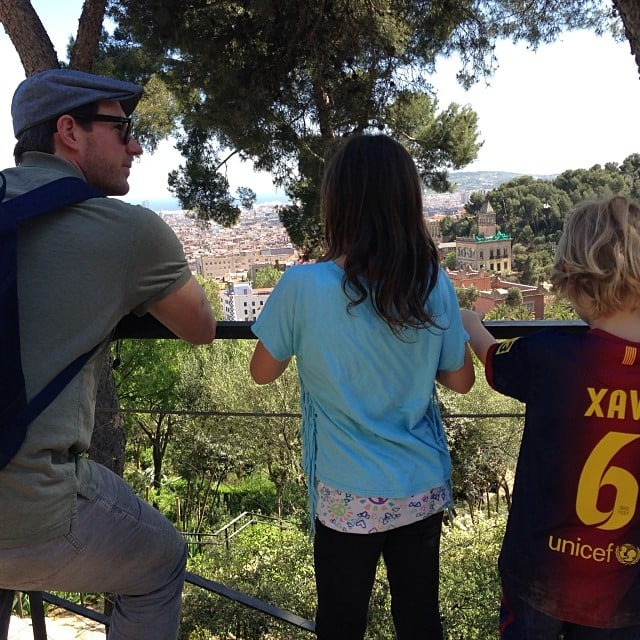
(568, 105)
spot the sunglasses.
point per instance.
(125, 131)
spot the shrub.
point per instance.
(266, 561)
(469, 582)
(275, 564)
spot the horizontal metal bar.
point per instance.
(148, 327)
(78, 609)
(515, 328)
(251, 602)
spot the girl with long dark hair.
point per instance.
(373, 325)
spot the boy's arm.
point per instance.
(479, 338)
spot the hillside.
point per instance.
(485, 180)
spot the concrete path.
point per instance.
(68, 627)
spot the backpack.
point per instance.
(15, 412)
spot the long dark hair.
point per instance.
(371, 200)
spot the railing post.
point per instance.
(37, 615)
(6, 604)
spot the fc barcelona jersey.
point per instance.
(572, 544)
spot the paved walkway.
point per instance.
(69, 627)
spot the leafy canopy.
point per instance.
(278, 82)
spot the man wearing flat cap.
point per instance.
(68, 523)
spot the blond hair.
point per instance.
(597, 261)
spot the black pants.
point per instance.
(345, 566)
(520, 621)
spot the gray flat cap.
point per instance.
(54, 92)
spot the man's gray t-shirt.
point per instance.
(80, 270)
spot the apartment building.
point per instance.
(219, 265)
(241, 302)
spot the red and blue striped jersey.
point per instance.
(572, 544)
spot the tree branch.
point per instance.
(89, 32)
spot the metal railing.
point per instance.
(147, 327)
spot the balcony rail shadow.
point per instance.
(147, 327)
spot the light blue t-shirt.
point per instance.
(369, 424)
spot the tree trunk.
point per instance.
(28, 35)
(108, 440)
(629, 11)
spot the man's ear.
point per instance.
(66, 130)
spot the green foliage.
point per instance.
(598, 181)
(436, 141)
(532, 211)
(220, 463)
(270, 562)
(462, 228)
(207, 452)
(279, 83)
(266, 277)
(149, 379)
(157, 113)
(198, 184)
(255, 494)
(476, 200)
(532, 265)
(450, 261)
(302, 220)
(200, 414)
(559, 309)
(484, 448)
(204, 458)
(21, 606)
(514, 297)
(467, 296)
(212, 291)
(247, 197)
(507, 311)
(530, 206)
(469, 581)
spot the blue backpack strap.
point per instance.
(15, 412)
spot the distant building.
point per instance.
(241, 302)
(489, 250)
(433, 227)
(445, 248)
(492, 291)
(219, 265)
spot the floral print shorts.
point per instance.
(349, 513)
